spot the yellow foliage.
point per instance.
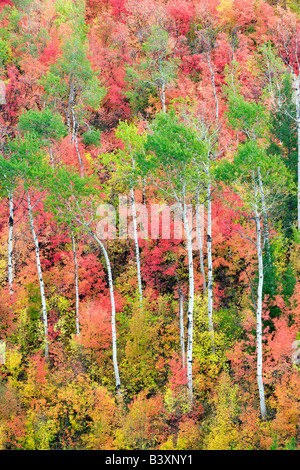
(224, 432)
(39, 431)
(168, 445)
(13, 365)
(226, 12)
(2, 436)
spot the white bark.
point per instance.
(40, 275)
(163, 96)
(51, 156)
(264, 209)
(209, 236)
(198, 222)
(181, 326)
(76, 284)
(78, 153)
(190, 313)
(137, 250)
(210, 269)
(113, 312)
(259, 310)
(10, 242)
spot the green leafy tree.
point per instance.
(261, 180)
(171, 149)
(46, 125)
(74, 201)
(27, 166)
(157, 69)
(74, 87)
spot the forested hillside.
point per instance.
(150, 224)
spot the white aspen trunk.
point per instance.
(113, 313)
(70, 111)
(40, 275)
(67, 114)
(74, 126)
(76, 284)
(78, 154)
(74, 123)
(181, 326)
(198, 222)
(190, 313)
(259, 311)
(210, 269)
(164, 97)
(209, 236)
(137, 250)
(51, 156)
(264, 209)
(10, 242)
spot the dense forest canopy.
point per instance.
(150, 224)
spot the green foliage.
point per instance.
(72, 81)
(172, 148)
(68, 194)
(284, 143)
(70, 12)
(5, 54)
(46, 125)
(26, 163)
(158, 70)
(149, 54)
(91, 137)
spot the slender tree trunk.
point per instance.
(76, 284)
(162, 94)
(198, 221)
(209, 236)
(70, 110)
(51, 156)
(78, 153)
(74, 126)
(210, 269)
(10, 242)
(190, 313)
(264, 209)
(137, 250)
(40, 275)
(259, 310)
(113, 312)
(181, 325)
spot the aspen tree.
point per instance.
(27, 166)
(262, 181)
(171, 148)
(73, 200)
